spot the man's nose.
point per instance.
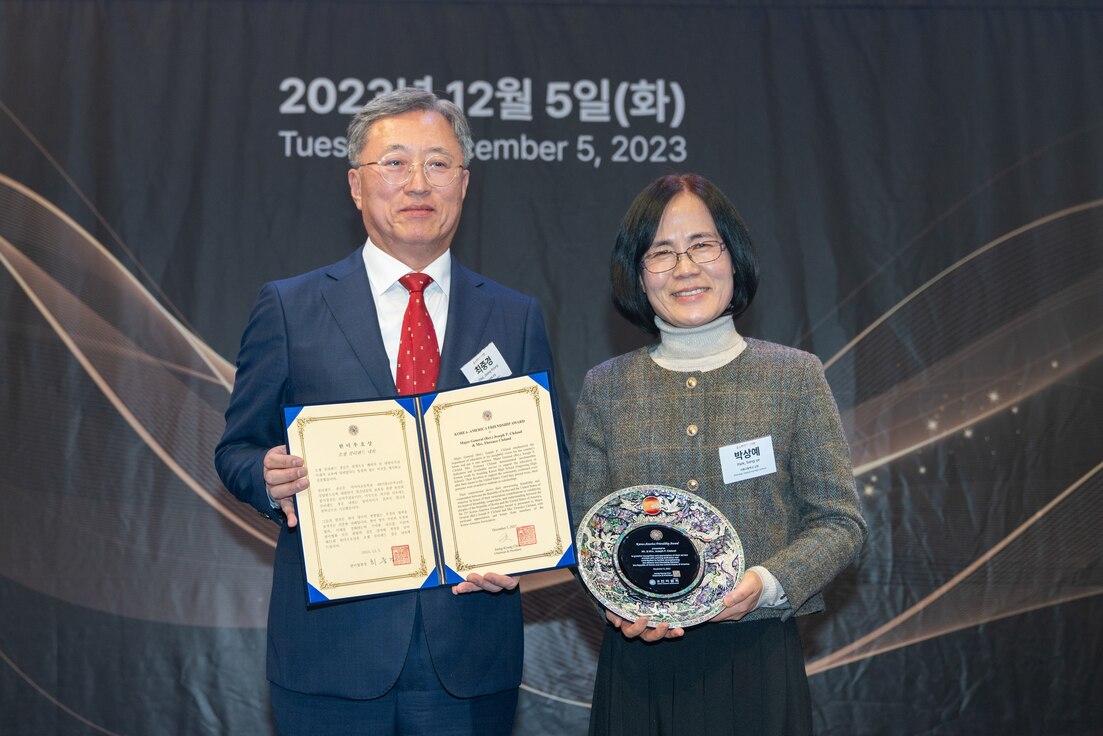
(418, 181)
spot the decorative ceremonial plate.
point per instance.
(659, 552)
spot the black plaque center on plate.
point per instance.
(658, 561)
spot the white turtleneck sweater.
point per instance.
(706, 348)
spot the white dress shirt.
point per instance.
(391, 297)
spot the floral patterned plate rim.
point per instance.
(715, 538)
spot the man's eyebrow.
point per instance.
(405, 148)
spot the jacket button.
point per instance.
(691, 430)
(692, 484)
(691, 382)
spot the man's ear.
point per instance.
(354, 187)
(465, 179)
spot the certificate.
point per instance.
(420, 491)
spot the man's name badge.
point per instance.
(659, 552)
(487, 365)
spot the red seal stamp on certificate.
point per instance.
(400, 555)
(526, 535)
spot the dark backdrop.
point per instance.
(924, 183)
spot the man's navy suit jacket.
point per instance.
(315, 338)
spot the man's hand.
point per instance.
(492, 582)
(284, 475)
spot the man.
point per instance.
(438, 661)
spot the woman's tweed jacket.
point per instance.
(801, 523)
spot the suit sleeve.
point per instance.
(538, 357)
(253, 424)
(832, 529)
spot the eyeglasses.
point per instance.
(665, 259)
(397, 170)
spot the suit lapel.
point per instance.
(469, 310)
(348, 296)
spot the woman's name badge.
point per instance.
(748, 459)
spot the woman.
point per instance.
(683, 270)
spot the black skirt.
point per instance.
(728, 678)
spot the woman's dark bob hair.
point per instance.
(637, 232)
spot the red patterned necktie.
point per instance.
(418, 355)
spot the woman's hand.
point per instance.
(639, 628)
(742, 599)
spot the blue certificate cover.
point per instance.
(420, 491)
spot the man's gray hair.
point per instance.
(402, 101)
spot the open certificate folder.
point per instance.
(420, 491)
